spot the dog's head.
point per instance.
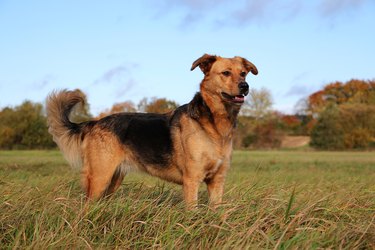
(225, 77)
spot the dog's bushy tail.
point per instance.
(66, 134)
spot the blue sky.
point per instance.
(126, 50)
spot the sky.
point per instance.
(117, 50)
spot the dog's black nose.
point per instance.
(243, 87)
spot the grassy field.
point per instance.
(273, 200)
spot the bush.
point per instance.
(267, 135)
(249, 140)
(244, 128)
(264, 133)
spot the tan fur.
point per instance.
(69, 145)
(102, 155)
(201, 150)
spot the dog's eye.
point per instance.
(243, 74)
(226, 73)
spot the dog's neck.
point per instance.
(220, 109)
(210, 106)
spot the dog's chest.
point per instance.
(213, 168)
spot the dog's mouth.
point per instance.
(236, 99)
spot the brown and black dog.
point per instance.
(188, 146)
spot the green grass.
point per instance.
(273, 200)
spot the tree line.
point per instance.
(344, 115)
(339, 116)
(24, 127)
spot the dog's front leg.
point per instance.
(215, 186)
(191, 186)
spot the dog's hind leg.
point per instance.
(101, 178)
(102, 171)
(116, 180)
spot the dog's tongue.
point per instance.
(239, 98)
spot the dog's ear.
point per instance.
(205, 62)
(249, 66)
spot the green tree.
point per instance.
(7, 130)
(328, 133)
(349, 126)
(24, 126)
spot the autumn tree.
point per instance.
(81, 111)
(353, 91)
(358, 122)
(157, 105)
(291, 123)
(258, 103)
(127, 106)
(145, 105)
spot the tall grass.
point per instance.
(273, 200)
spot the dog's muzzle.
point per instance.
(243, 88)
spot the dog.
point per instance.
(188, 146)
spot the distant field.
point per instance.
(273, 200)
